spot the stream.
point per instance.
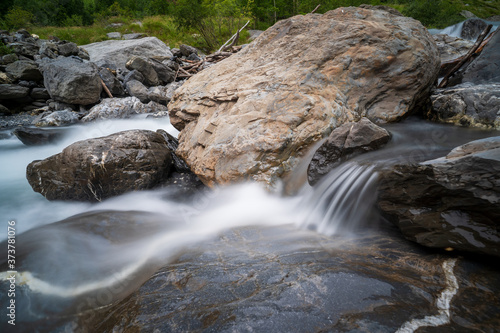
(235, 255)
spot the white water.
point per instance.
(456, 29)
(69, 263)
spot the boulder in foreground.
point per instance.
(95, 169)
(293, 85)
(453, 201)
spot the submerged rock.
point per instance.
(293, 85)
(345, 142)
(95, 169)
(284, 280)
(37, 136)
(453, 201)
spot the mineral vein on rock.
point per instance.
(442, 303)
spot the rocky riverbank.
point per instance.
(307, 95)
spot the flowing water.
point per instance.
(456, 29)
(117, 244)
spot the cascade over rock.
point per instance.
(254, 114)
(346, 141)
(453, 201)
(95, 169)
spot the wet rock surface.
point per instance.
(467, 105)
(451, 201)
(287, 96)
(346, 141)
(285, 280)
(100, 168)
(37, 136)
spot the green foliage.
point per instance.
(17, 18)
(4, 49)
(215, 20)
(434, 13)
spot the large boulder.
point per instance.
(72, 81)
(95, 169)
(467, 105)
(453, 201)
(346, 141)
(115, 53)
(486, 67)
(293, 85)
(113, 108)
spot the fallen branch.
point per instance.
(315, 9)
(471, 52)
(234, 36)
(106, 89)
(235, 40)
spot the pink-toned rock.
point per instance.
(253, 115)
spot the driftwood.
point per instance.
(315, 9)
(106, 89)
(464, 59)
(234, 37)
(446, 65)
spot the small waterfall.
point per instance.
(341, 201)
(456, 29)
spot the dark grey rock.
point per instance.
(193, 57)
(158, 94)
(282, 279)
(26, 49)
(133, 75)
(114, 85)
(37, 136)
(142, 65)
(472, 28)
(48, 50)
(72, 81)
(186, 50)
(176, 52)
(13, 91)
(24, 70)
(165, 73)
(453, 201)
(122, 162)
(82, 53)
(467, 105)
(137, 89)
(28, 84)
(172, 144)
(486, 67)
(67, 49)
(346, 141)
(39, 93)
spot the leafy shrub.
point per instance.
(17, 18)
